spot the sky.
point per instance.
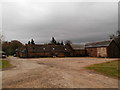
(75, 21)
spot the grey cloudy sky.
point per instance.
(75, 21)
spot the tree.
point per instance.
(53, 41)
(111, 36)
(61, 43)
(10, 47)
(28, 42)
(0, 41)
(14, 45)
(6, 47)
(2, 38)
(118, 32)
(32, 42)
(68, 42)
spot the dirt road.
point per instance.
(55, 73)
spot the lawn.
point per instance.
(4, 64)
(109, 68)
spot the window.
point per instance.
(65, 49)
(43, 48)
(53, 48)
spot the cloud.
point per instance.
(75, 21)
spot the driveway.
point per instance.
(55, 73)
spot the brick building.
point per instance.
(107, 48)
(44, 51)
(79, 50)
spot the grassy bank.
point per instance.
(109, 68)
(4, 64)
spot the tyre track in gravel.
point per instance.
(55, 73)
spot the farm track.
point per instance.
(55, 73)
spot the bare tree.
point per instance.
(118, 32)
(112, 36)
(1, 40)
(2, 37)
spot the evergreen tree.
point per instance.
(53, 41)
(28, 42)
(61, 43)
(32, 42)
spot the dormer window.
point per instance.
(43, 48)
(65, 49)
(53, 48)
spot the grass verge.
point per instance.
(109, 68)
(4, 64)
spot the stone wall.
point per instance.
(102, 52)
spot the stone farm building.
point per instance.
(107, 48)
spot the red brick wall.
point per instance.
(45, 54)
(79, 53)
(92, 52)
(38, 54)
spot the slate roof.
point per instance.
(98, 44)
(78, 46)
(47, 48)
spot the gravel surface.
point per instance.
(55, 73)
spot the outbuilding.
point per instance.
(107, 48)
(39, 50)
(78, 49)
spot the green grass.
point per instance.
(109, 68)
(4, 64)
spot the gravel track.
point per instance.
(55, 73)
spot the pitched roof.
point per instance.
(78, 46)
(98, 44)
(42, 48)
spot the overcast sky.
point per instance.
(75, 21)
